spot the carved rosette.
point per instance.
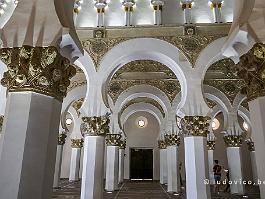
(196, 125)
(251, 146)
(233, 140)
(61, 138)
(38, 69)
(210, 145)
(122, 144)
(113, 139)
(77, 143)
(1, 122)
(95, 126)
(162, 144)
(251, 68)
(172, 139)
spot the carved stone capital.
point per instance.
(38, 69)
(113, 139)
(251, 68)
(251, 145)
(95, 126)
(172, 139)
(122, 144)
(1, 122)
(233, 140)
(196, 125)
(210, 145)
(162, 144)
(61, 138)
(77, 143)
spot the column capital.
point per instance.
(211, 145)
(122, 144)
(1, 122)
(95, 125)
(186, 4)
(233, 140)
(162, 144)
(113, 139)
(128, 5)
(251, 145)
(100, 5)
(172, 139)
(251, 68)
(196, 125)
(77, 143)
(157, 4)
(37, 69)
(61, 138)
(216, 4)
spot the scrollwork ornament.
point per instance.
(251, 145)
(37, 69)
(211, 145)
(61, 138)
(122, 144)
(196, 125)
(113, 139)
(172, 140)
(233, 140)
(251, 68)
(162, 144)
(95, 125)
(77, 143)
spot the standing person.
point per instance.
(217, 176)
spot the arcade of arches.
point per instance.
(132, 99)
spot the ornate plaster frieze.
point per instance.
(75, 84)
(210, 145)
(95, 126)
(234, 140)
(210, 103)
(245, 104)
(77, 105)
(153, 73)
(172, 140)
(251, 68)
(144, 100)
(162, 144)
(38, 69)
(251, 145)
(196, 125)
(222, 76)
(113, 139)
(191, 40)
(77, 143)
(1, 122)
(122, 144)
(61, 138)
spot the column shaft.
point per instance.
(211, 164)
(29, 146)
(173, 183)
(196, 163)
(254, 166)
(187, 15)
(93, 167)
(235, 170)
(112, 168)
(75, 164)
(121, 165)
(58, 164)
(163, 166)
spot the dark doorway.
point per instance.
(141, 164)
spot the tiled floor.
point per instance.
(141, 190)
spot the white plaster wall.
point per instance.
(142, 138)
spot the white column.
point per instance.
(128, 16)
(158, 12)
(211, 164)
(58, 164)
(186, 7)
(29, 146)
(173, 183)
(257, 117)
(235, 170)
(254, 166)
(93, 163)
(112, 168)
(217, 6)
(163, 166)
(121, 164)
(196, 163)
(75, 160)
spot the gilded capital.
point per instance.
(122, 144)
(251, 68)
(61, 138)
(251, 145)
(37, 69)
(172, 139)
(1, 122)
(162, 144)
(113, 139)
(196, 125)
(233, 140)
(95, 126)
(77, 143)
(210, 145)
